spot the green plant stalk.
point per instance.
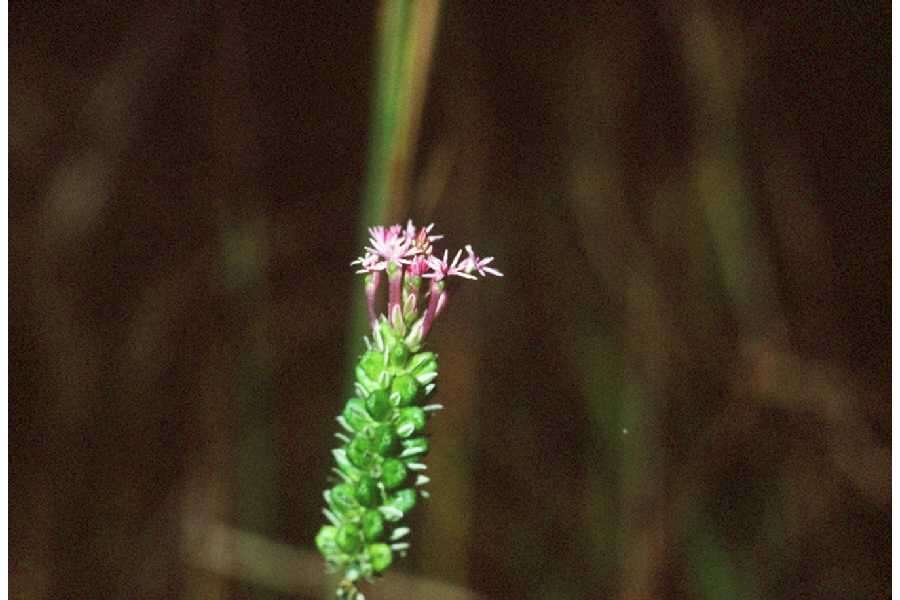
(378, 469)
(390, 79)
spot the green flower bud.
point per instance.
(393, 473)
(422, 360)
(343, 497)
(364, 380)
(378, 404)
(388, 335)
(382, 439)
(406, 387)
(404, 500)
(355, 414)
(411, 420)
(358, 452)
(372, 525)
(325, 539)
(380, 556)
(398, 355)
(415, 447)
(372, 364)
(367, 493)
(348, 537)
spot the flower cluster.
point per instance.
(406, 255)
(378, 464)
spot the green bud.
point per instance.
(372, 364)
(382, 439)
(416, 446)
(421, 361)
(398, 355)
(378, 405)
(343, 497)
(380, 556)
(411, 420)
(348, 537)
(364, 379)
(404, 500)
(406, 387)
(325, 539)
(355, 414)
(367, 493)
(358, 452)
(425, 369)
(393, 473)
(372, 525)
(387, 333)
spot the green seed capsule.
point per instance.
(372, 364)
(348, 537)
(355, 414)
(411, 420)
(404, 500)
(325, 539)
(393, 473)
(378, 405)
(373, 525)
(380, 556)
(358, 452)
(343, 497)
(382, 439)
(398, 355)
(406, 387)
(367, 492)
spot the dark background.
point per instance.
(680, 389)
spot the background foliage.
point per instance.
(679, 390)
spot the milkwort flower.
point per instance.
(379, 469)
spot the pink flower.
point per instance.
(473, 263)
(390, 246)
(417, 266)
(368, 263)
(405, 255)
(441, 269)
(421, 240)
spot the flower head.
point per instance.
(389, 245)
(473, 263)
(406, 255)
(369, 263)
(421, 240)
(441, 269)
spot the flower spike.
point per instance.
(379, 463)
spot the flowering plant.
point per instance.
(379, 469)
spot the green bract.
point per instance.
(381, 446)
